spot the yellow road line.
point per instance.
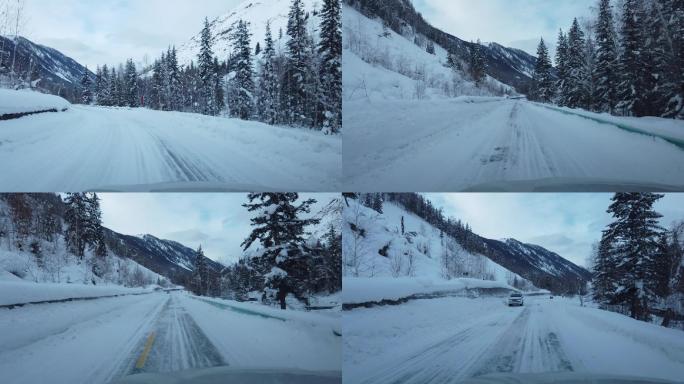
(148, 346)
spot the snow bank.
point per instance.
(12, 292)
(364, 290)
(23, 101)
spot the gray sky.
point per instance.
(514, 23)
(96, 32)
(217, 221)
(565, 223)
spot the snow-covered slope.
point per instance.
(166, 257)
(381, 64)
(59, 74)
(257, 13)
(421, 260)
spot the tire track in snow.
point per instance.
(179, 344)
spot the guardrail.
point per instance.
(12, 116)
(12, 306)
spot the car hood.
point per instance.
(561, 378)
(228, 375)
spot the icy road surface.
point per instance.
(102, 340)
(505, 145)
(119, 149)
(451, 339)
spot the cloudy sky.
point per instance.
(513, 23)
(216, 221)
(110, 31)
(567, 224)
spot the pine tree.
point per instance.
(293, 94)
(130, 92)
(542, 75)
(104, 97)
(605, 93)
(243, 105)
(267, 98)
(98, 84)
(478, 64)
(562, 67)
(200, 274)
(633, 241)
(279, 227)
(218, 87)
(86, 88)
(174, 82)
(577, 91)
(113, 89)
(631, 60)
(205, 66)
(330, 49)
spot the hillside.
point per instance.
(32, 247)
(46, 68)
(375, 246)
(381, 262)
(257, 13)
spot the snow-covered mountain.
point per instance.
(378, 245)
(545, 268)
(59, 74)
(165, 257)
(399, 244)
(399, 19)
(257, 13)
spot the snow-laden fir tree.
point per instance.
(83, 222)
(219, 94)
(562, 68)
(330, 49)
(577, 91)
(267, 91)
(200, 274)
(631, 88)
(205, 67)
(293, 92)
(113, 88)
(279, 228)
(86, 88)
(131, 85)
(632, 241)
(543, 81)
(478, 63)
(242, 103)
(605, 70)
(103, 97)
(98, 84)
(173, 83)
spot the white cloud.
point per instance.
(110, 31)
(515, 23)
(217, 221)
(567, 224)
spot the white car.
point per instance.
(516, 298)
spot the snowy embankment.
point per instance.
(14, 104)
(121, 149)
(24, 292)
(368, 291)
(452, 339)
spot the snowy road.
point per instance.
(102, 340)
(95, 148)
(499, 144)
(448, 340)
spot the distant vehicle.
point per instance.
(516, 298)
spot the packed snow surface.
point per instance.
(101, 340)
(120, 149)
(505, 144)
(450, 339)
(25, 101)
